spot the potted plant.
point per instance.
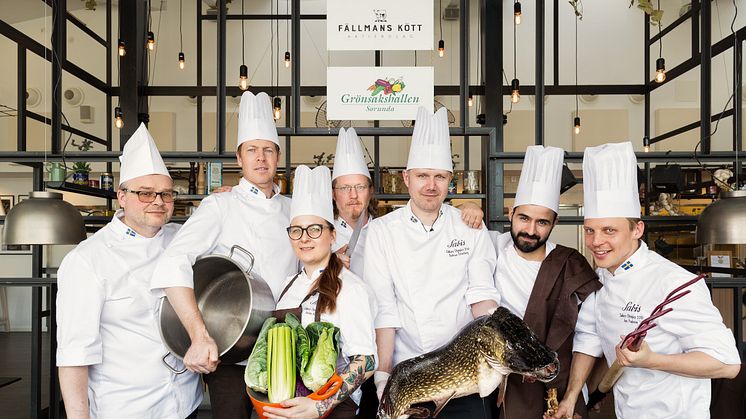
(81, 170)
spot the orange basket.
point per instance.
(260, 401)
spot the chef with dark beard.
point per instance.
(540, 281)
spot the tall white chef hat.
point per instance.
(610, 181)
(541, 177)
(312, 193)
(255, 119)
(349, 158)
(431, 142)
(140, 157)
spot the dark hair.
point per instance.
(329, 285)
(372, 203)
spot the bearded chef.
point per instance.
(109, 349)
(253, 215)
(431, 274)
(540, 281)
(669, 377)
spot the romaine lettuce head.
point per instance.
(324, 338)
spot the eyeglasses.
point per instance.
(348, 188)
(147, 197)
(313, 230)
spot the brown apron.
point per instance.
(346, 409)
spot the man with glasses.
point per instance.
(108, 346)
(431, 274)
(253, 215)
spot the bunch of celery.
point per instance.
(281, 363)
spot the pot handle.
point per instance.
(246, 252)
(173, 370)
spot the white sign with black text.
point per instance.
(382, 93)
(379, 25)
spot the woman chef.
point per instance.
(326, 291)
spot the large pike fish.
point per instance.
(477, 360)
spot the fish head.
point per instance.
(511, 347)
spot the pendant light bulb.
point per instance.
(660, 70)
(646, 144)
(441, 48)
(278, 107)
(151, 41)
(576, 124)
(121, 48)
(517, 12)
(181, 60)
(118, 120)
(470, 101)
(243, 77)
(515, 87)
(287, 59)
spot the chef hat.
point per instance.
(140, 157)
(312, 193)
(349, 158)
(541, 177)
(431, 142)
(255, 120)
(610, 181)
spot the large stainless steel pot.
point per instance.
(234, 304)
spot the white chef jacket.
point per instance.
(425, 278)
(356, 309)
(627, 297)
(344, 234)
(107, 320)
(515, 276)
(245, 217)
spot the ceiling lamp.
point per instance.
(722, 221)
(43, 218)
(660, 70)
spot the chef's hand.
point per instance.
(202, 356)
(297, 408)
(566, 409)
(224, 188)
(342, 257)
(471, 214)
(639, 359)
(380, 378)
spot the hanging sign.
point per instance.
(379, 25)
(383, 93)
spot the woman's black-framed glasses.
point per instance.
(313, 230)
(146, 197)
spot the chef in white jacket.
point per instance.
(669, 376)
(109, 349)
(253, 215)
(430, 272)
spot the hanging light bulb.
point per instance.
(151, 41)
(441, 48)
(660, 70)
(278, 107)
(118, 120)
(181, 60)
(121, 49)
(646, 144)
(287, 59)
(515, 86)
(243, 77)
(470, 101)
(576, 124)
(517, 12)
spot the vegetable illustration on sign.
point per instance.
(387, 86)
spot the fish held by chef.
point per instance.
(477, 360)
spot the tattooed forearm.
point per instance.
(360, 368)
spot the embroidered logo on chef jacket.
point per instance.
(254, 190)
(630, 313)
(626, 265)
(343, 223)
(130, 232)
(457, 247)
(413, 219)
